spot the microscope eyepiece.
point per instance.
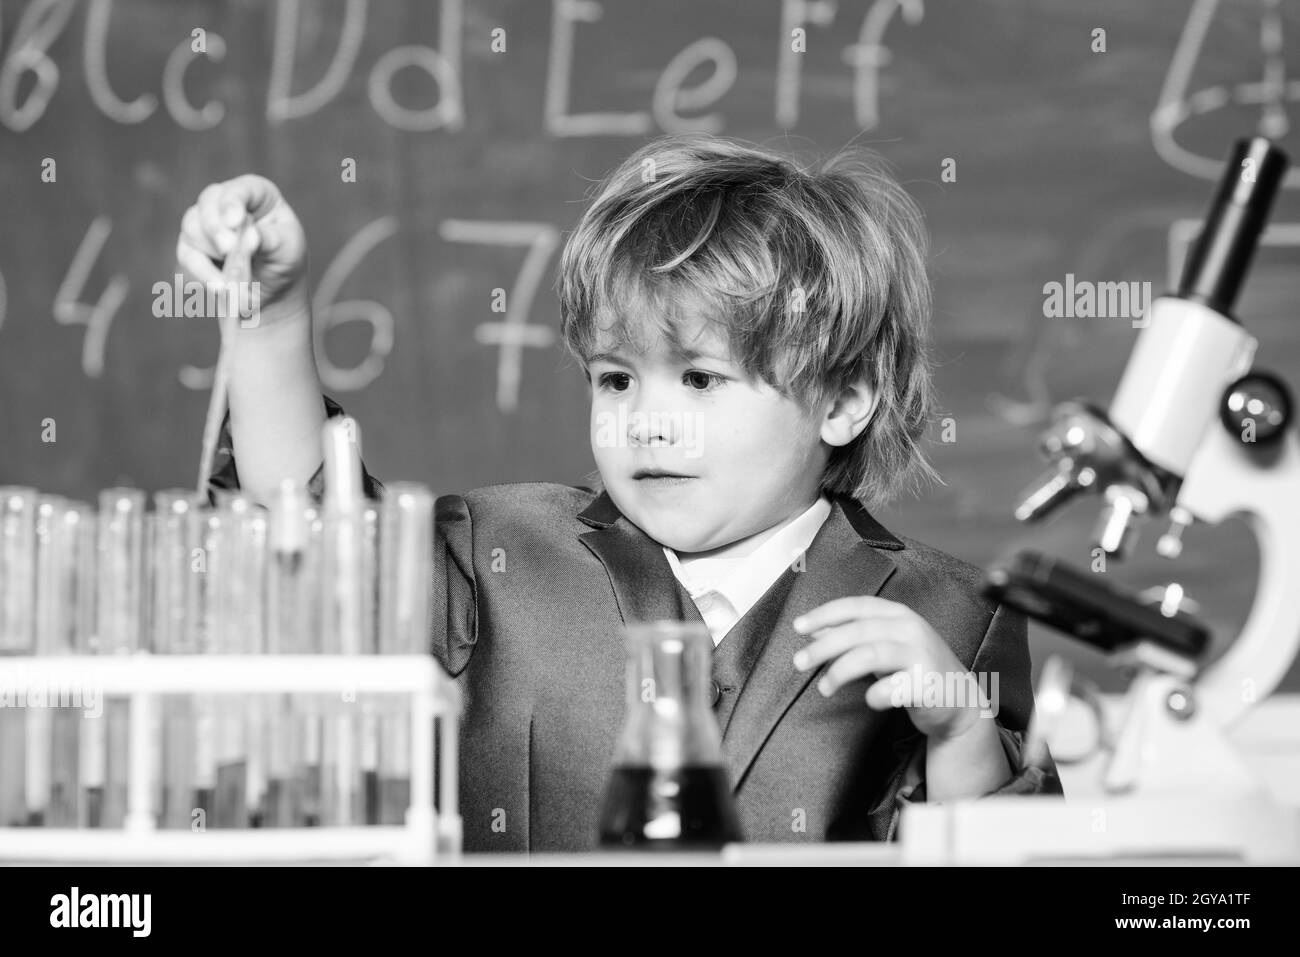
(1217, 264)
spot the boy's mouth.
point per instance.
(660, 477)
(658, 473)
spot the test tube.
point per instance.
(342, 626)
(206, 620)
(121, 570)
(175, 538)
(17, 637)
(92, 747)
(49, 609)
(253, 542)
(370, 705)
(65, 563)
(155, 714)
(289, 621)
(343, 507)
(406, 567)
(119, 603)
(237, 596)
(310, 721)
(92, 743)
(405, 570)
(17, 569)
(65, 620)
(175, 563)
(290, 609)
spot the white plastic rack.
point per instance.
(431, 831)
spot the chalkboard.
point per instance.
(1044, 139)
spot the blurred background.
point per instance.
(1043, 138)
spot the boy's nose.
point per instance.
(650, 427)
(647, 429)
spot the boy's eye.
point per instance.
(614, 381)
(702, 381)
(695, 379)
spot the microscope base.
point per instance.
(1041, 830)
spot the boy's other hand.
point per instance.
(866, 635)
(210, 232)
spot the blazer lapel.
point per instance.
(844, 559)
(644, 585)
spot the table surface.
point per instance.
(749, 855)
(734, 855)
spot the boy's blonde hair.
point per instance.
(815, 277)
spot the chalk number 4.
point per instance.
(69, 311)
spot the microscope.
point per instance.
(1192, 434)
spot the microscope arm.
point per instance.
(1224, 481)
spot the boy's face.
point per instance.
(694, 451)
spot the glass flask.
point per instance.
(668, 789)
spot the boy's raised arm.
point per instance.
(276, 412)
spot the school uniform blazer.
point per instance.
(532, 585)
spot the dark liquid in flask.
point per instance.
(641, 802)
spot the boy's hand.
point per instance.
(867, 635)
(210, 230)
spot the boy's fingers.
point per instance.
(238, 269)
(252, 240)
(891, 691)
(238, 265)
(212, 219)
(256, 194)
(280, 240)
(846, 609)
(834, 641)
(828, 644)
(859, 662)
(269, 240)
(192, 233)
(196, 264)
(223, 207)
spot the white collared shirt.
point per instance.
(725, 588)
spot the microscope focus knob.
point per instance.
(1170, 544)
(1171, 599)
(1256, 408)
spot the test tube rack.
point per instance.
(430, 833)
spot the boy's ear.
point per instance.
(849, 413)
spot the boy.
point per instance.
(754, 335)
